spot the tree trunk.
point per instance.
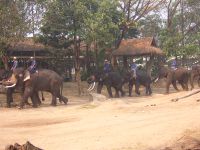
(5, 62)
(125, 62)
(77, 61)
(114, 62)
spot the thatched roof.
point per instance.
(26, 45)
(138, 47)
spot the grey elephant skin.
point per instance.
(195, 74)
(111, 79)
(42, 80)
(182, 75)
(142, 78)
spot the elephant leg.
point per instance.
(42, 96)
(27, 93)
(122, 92)
(116, 93)
(99, 88)
(34, 99)
(182, 85)
(38, 98)
(130, 86)
(109, 90)
(199, 81)
(192, 82)
(9, 96)
(137, 86)
(186, 85)
(149, 89)
(54, 101)
(174, 85)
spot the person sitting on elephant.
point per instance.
(32, 67)
(107, 67)
(174, 64)
(134, 68)
(15, 64)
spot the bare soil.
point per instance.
(128, 123)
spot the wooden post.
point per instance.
(149, 65)
(125, 62)
(114, 62)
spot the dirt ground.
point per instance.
(128, 123)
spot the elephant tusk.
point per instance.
(10, 86)
(91, 87)
(156, 80)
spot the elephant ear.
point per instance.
(27, 75)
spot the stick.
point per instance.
(178, 98)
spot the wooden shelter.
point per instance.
(27, 48)
(145, 47)
(138, 47)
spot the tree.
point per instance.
(12, 26)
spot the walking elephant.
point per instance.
(42, 80)
(195, 73)
(6, 74)
(141, 79)
(182, 75)
(111, 79)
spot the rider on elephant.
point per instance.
(174, 64)
(107, 67)
(134, 68)
(15, 64)
(33, 64)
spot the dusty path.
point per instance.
(118, 124)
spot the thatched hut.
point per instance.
(145, 47)
(27, 48)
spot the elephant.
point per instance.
(111, 79)
(195, 73)
(182, 75)
(42, 80)
(5, 74)
(141, 78)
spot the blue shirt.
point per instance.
(174, 64)
(133, 66)
(32, 67)
(107, 68)
(15, 64)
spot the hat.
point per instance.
(31, 57)
(105, 60)
(14, 57)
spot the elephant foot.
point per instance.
(138, 93)
(8, 106)
(53, 104)
(123, 94)
(35, 106)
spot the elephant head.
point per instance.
(163, 72)
(96, 77)
(17, 78)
